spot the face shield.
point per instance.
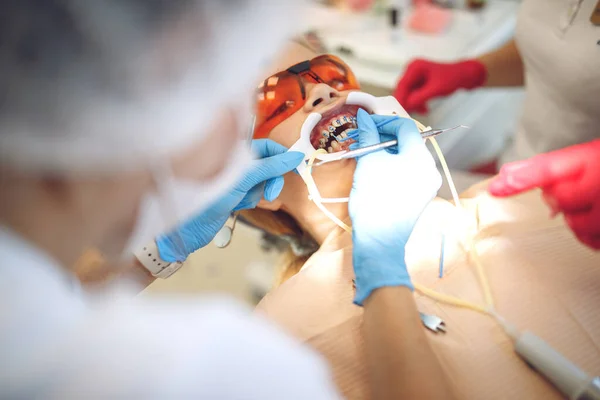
(125, 86)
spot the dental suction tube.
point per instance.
(562, 373)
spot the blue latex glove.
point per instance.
(264, 178)
(388, 195)
(380, 122)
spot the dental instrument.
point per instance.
(433, 323)
(574, 383)
(342, 155)
(441, 274)
(223, 237)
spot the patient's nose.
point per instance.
(320, 95)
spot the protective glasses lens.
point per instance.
(281, 95)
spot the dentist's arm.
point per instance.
(401, 361)
(388, 195)
(263, 179)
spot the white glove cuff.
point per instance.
(149, 257)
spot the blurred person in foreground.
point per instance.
(121, 130)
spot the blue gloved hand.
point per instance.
(388, 195)
(384, 134)
(264, 178)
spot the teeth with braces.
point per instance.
(329, 131)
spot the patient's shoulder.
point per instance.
(318, 297)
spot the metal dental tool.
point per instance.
(567, 377)
(433, 323)
(223, 237)
(342, 155)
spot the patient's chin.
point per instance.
(335, 179)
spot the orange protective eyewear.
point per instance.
(281, 95)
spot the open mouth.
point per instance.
(331, 133)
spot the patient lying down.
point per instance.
(541, 278)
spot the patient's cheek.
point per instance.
(288, 132)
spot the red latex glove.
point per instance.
(570, 183)
(424, 80)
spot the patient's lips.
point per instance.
(334, 126)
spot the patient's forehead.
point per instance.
(291, 54)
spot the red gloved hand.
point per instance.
(570, 182)
(424, 80)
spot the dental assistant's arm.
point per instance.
(264, 178)
(384, 212)
(504, 66)
(401, 361)
(424, 80)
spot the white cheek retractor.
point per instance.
(303, 144)
(387, 105)
(377, 105)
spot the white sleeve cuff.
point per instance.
(150, 259)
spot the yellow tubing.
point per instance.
(472, 251)
(443, 298)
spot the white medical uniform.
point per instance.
(57, 342)
(560, 48)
